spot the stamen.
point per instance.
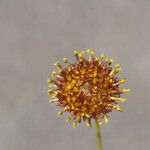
(57, 64)
(52, 85)
(118, 98)
(110, 61)
(88, 124)
(81, 56)
(118, 108)
(53, 100)
(88, 50)
(76, 54)
(48, 80)
(78, 118)
(69, 118)
(55, 94)
(106, 120)
(52, 81)
(114, 72)
(49, 92)
(106, 60)
(65, 60)
(101, 56)
(96, 59)
(121, 81)
(91, 57)
(64, 110)
(74, 124)
(60, 71)
(99, 122)
(68, 78)
(125, 90)
(53, 73)
(88, 116)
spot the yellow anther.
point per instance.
(65, 60)
(123, 100)
(106, 59)
(83, 53)
(51, 101)
(96, 59)
(60, 71)
(82, 71)
(59, 113)
(117, 65)
(101, 56)
(106, 120)
(118, 70)
(114, 72)
(118, 98)
(72, 107)
(111, 60)
(94, 90)
(88, 116)
(126, 90)
(95, 73)
(115, 106)
(100, 123)
(88, 124)
(88, 50)
(55, 94)
(75, 89)
(111, 80)
(75, 52)
(49, 92)
(67, 120)
(74, 124)
(56, 64)
(122, 80)
(68, 78)
(68, 86)
(53, 73)
(95, 87)
(82, 114)
(73, 82)
(73, 99)
(119, 109)
(48, 80)
(52, 85)
(114, 98)
(92, 53)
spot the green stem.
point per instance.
(98, 136)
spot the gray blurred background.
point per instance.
(36, 33)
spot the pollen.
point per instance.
(88, 89)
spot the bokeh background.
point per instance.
(36, 33)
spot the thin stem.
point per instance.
(98, 136)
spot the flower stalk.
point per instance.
(98, 136)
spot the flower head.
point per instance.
(87, 89)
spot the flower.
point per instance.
(87, 89)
